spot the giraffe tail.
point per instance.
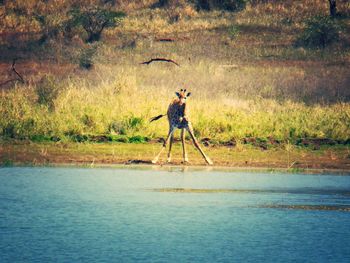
(157, 117)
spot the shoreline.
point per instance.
(329, 159)
(186, 168)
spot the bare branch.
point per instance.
(14, 70)
(7, 81)
(18, 76)
(160, 59)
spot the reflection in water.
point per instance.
(183, 169)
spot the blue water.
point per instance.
(132, 215)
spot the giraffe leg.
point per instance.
(170, 146)
(196, 144)
(171, 131)
(184, 146)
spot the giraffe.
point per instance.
(178, 119)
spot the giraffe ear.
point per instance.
(188, 94)
(177, 94)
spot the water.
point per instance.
(128, 215)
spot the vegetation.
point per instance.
(250, 82)
(229, 5)
(94, 20)
(86, 57)
(320, 31)
(119, 107)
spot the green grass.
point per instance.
(123, 116)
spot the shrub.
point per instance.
(203, 5)
(47, 91)
(233, 5)
(233, 31)
(118, 138)
(40, 138)
(173, 3)
(86, 57)
(138, 139)
(88, 121)
(128, 126)
(9, 130)
(174, 14)
(134, 123)
(319, 32)
(229, 5)
(162, 3)
(117, 127)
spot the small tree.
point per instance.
(95, 20)
(319, 32)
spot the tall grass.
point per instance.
(121, 105)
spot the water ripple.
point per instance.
(311, 191)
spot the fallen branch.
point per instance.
(165, 39)
(7, 81)
(160, 59)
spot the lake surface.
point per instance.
(133, 215)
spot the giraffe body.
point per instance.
(178, 119)
(176, 115)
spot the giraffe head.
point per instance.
(182, 95)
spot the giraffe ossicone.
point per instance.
(178, 119)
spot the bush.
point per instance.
(127, 126)
(162, 3)
(40, 138)
(118, 138)
(86, 57)
(319, 32)
(138, 139)
(117, 127)
(135, 123)
(233, 5)
(47, 91)
(233, 31)
(229, 5)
